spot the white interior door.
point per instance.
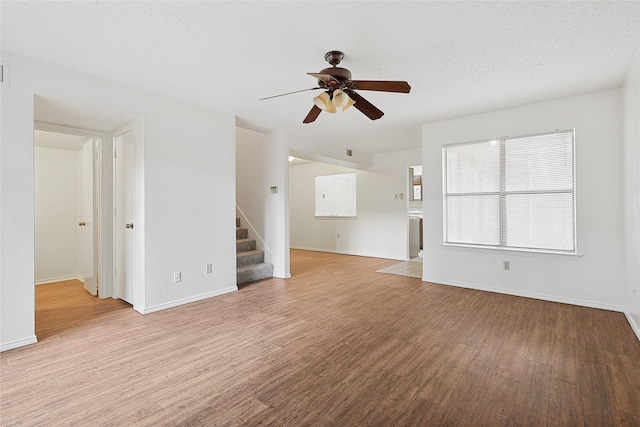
(86, 221)
(124, 180)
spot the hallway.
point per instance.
(64, 306)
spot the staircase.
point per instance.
(250, 265)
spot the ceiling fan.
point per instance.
(340, 90)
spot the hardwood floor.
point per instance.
(337, 344)
(66, 305)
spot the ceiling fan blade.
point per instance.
(367, 108)
(313, 114)
(289, 93)
(324, 77)
(383, 85)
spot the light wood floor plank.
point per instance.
(337, 344)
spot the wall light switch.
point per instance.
(209, 268)
(401, 196)
(177, 277)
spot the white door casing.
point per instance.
(87, 219)
(124, 213)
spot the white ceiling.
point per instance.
(81, 117)
(60, 141)
(459, 57)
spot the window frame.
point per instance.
(503, 193)
(352, 196)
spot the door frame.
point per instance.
(99, 247)
(409, 199)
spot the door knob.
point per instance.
(129, 225)
(82, 224)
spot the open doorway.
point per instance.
(378, 227)
(74, 192)
(414, 216)
(67, 250)
(323, 213)
(415, 213)
(66, 208)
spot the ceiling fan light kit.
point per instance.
(324, 102)
(330, 102)
(341, 99)
(340, 90)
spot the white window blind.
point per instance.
(513, 193)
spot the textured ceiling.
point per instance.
(459, 57)
(78, 116)
(60, 141)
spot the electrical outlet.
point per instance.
(177, 277)
(506, 265)
(209, 268)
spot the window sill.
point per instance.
(513, 251)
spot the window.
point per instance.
(336, 195)
(511, 193)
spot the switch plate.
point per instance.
(209, 268)
(506, 265)
(338, 235)
(401, 196)
(177, 277)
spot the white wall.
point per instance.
(56, 214)
(17, 290)
(380, 228)
(188, 191)
(596, 278)
(632, 192)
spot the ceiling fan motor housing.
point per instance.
(339, 73)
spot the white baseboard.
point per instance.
(18, 343)
(159, 307)
(634, 326)
(59, 279)
(335, 251)
(533, 295)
